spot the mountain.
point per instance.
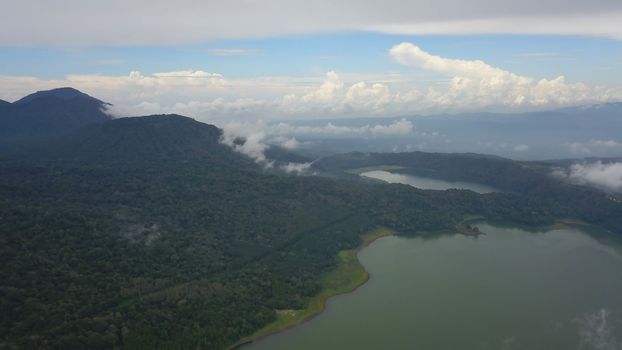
(4, 103)
(595, 110)
(65, 93)
(128, 139)
(48, 114)
(531, 180)
(147, 232)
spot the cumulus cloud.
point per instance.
(593, 146)
(471, 85)
(474, 82)
(333, 96)
(160, 22)
(599, 174)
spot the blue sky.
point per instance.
(289, 59)
(259, 68)
(589, 59)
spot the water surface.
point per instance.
(426, 183)
(508, 289)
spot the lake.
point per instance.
(507, 289)
(426, 183)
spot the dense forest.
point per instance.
(148, 233)
(530, 180)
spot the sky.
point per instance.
(279, 59)
(285, 71)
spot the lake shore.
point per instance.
(345, 278)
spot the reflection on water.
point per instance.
(507, 289)
(426, 183)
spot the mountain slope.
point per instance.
(128, 139)
(65, 93)
(48, 114)
(147, 233)
(531, 180)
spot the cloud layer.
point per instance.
(160, 22)
(476, 82)
(469, 85)
(604, 175)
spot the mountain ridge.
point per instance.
(142, 137)
(63, 93)
(48, 114)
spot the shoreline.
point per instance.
(356, 278)
(349, 269)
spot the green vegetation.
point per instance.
(147, 233)
(531, 181)
(348, 275)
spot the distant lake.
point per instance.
(426, 183)
(507, 289)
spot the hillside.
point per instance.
(48, 114)
(138, 138)
(531, 180)
(148, 233)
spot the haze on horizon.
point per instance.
(204, 174)
(291, 72)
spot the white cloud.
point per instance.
(521, 148)
(604, 175)
(474, 82)
(259, 135)
(253, 139)
(160, 22)
(332, 96)
(246, 138)
(471, 85)
(606, 143)
(286, 142)
(586, 148)
(296, 168)
(327, 92)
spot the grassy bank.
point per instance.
(346, 277)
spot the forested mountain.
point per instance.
(65, 93)
(148, 232)
(142, 139)
(531, 180)
(47, 114)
